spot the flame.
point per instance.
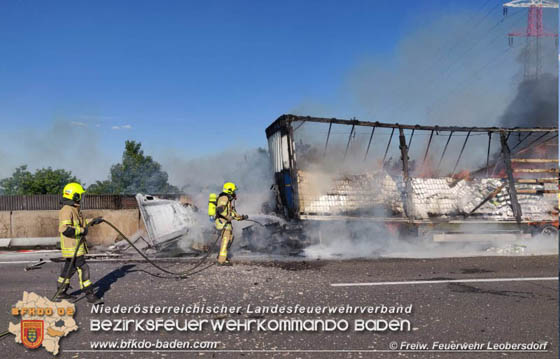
(428, 169)
(463, 175)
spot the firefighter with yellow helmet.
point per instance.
(72, 227)
(225, 214)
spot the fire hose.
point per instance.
(180, 275)
(251, 220)
(174, 274)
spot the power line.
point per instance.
(497, 37)
(396, 107)
(463, 55)
(474, 75)
(455, 43)
(446, 54)
(477, 72)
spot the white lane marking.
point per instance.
(299, 351)
(444, 281)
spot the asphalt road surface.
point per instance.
(508, 309)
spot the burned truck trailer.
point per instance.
(446, 183)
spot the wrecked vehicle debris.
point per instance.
(275, 237)
(172, 229)
(165, 220)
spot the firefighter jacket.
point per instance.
(225, 211)
(71, 228)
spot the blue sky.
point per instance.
(193, 77)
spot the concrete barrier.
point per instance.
(127, 220)
(5, 224)
(33, 224)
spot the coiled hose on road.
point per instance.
(173, 274)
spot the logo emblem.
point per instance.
(32, 333)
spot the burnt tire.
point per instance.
(549, 231)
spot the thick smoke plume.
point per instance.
(534, 105)
(445, 71)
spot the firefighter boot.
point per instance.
(91, 297)
(62, 295)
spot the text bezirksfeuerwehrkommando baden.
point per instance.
(327, 323)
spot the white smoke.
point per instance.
(62, 145)
(340, 240)
(454, 68)
(249, 169)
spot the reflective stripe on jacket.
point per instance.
(225, 212)
(71, 217)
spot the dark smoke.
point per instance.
(534, 105)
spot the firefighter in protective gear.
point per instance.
(72, 227)
(225, 214)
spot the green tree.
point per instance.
(137, 173)
(101, 187)
(43, 181)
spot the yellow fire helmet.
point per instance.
(229, 188)
(73, 191)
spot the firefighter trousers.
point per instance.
(226, 241)
(79, 266)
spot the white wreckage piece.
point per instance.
(165, 220)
